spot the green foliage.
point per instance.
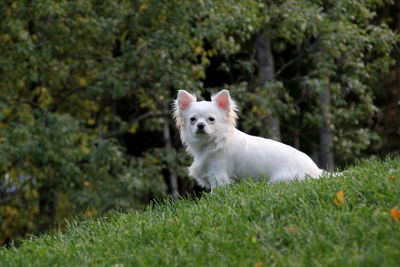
(66, 67)
(340, 46)
(300, 223)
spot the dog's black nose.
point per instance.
(201, 125)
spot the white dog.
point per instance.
(222, 153)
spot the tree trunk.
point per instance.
(266, 72)
(398, 58)
(47, 206)
(172, 179)
(298, 118)
(325, 133)
(296, 139)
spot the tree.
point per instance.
(266, 73)
(342, 48)
(78, 77)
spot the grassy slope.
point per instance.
(247, 224)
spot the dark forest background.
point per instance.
(86, 88)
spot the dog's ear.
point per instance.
(224, 101)
(181, 103)
(184, 99)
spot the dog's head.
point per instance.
(204, 120)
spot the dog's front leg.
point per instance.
(218, 179)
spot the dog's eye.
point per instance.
(192, 119)
(211, 119)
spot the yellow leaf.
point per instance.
(13, 174)
(5, 37)
(205, 61)
(198, 50)
(7, 111)
(90, 212)
(291, 229)
(395, 213)
(339, 198)
(172, 219)
(91, 121)
(45, 98)
(133, 128)
(143, 7)
(21, 84)
(82, 81)
(85, 149)
(91, 105)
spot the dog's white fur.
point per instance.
(222, 153)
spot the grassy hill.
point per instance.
(339, 221)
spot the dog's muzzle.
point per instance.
(200, 127)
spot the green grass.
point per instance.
(246, 224)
